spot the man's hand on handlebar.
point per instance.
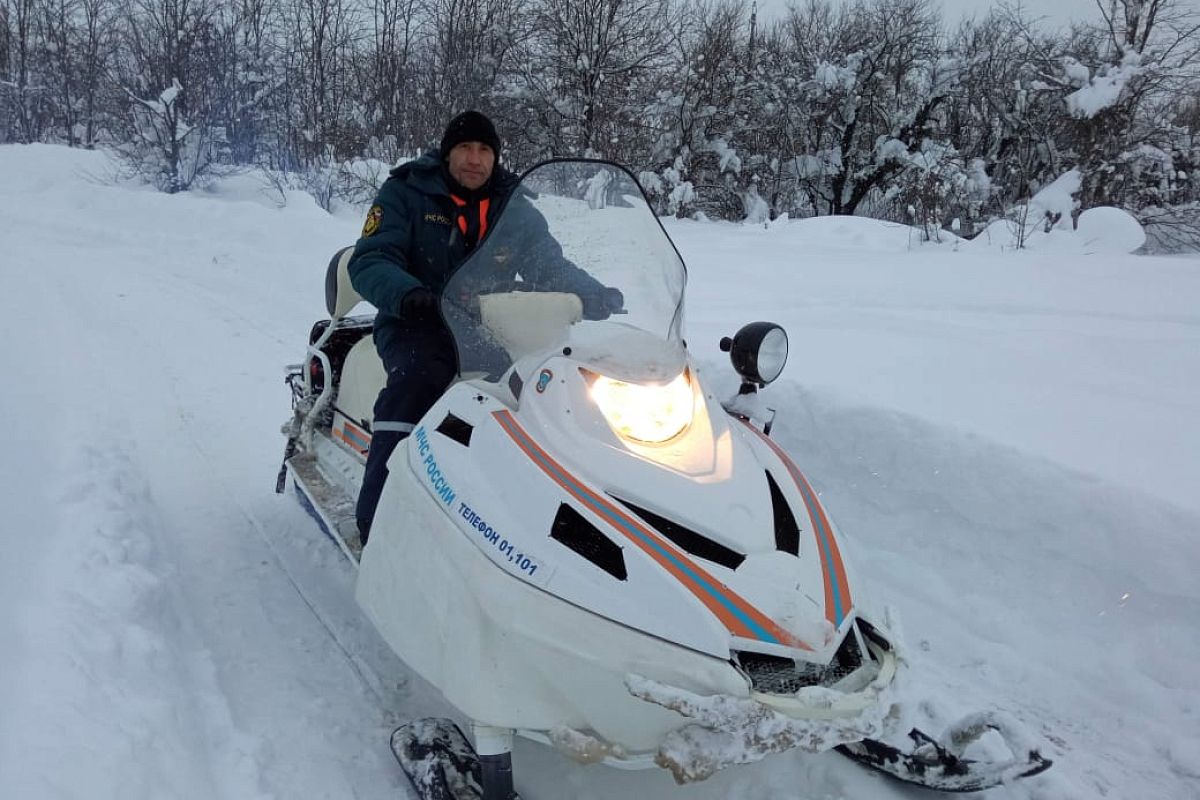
(603, 303)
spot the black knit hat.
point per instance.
(470, 126)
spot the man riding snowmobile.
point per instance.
(426, 219)
(580, 544)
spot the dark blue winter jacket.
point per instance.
(411, 240)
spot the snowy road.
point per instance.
(1011, 451)
(160, 614)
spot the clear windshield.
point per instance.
(572, 232)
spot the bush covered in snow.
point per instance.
(868, 107)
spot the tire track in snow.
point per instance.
(241, 695)
(131, 684)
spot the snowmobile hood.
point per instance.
(717, 524)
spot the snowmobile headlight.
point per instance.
(646, 412)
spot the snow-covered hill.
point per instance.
(1011, 444)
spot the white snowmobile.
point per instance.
(579, 544)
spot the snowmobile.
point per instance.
(580, 544)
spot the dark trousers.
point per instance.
(420, 364)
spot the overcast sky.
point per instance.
(1056, 13)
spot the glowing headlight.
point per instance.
(645, 412)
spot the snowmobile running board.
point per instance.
(933, 766)
(331, 507)
(442, 765)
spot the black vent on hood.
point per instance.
(787, 532)
(457, 429)
(697, 544)
(572, 530)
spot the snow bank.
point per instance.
(1109, 230)
(127, 685)
(1101, 231)
(842, 233)
(151, 643)
(1048, 224)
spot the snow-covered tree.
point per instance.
(24, 84)
(169, 136)
(587, 72)
(472, 46)
(1122, 98)
(388, 74)
(320, 80)
(695, 117)
(867, 85)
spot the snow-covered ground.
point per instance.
(1010, 442)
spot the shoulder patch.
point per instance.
(374, 217)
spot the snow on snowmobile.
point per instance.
(581, 545)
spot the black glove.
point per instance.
(603, 303)
(418, 304)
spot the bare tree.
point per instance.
(389, 77)
(169, 90)
(323, 33)
(6, 44)
(23, 92)
(238, 51)
(593, 61)
(94, 42)
(55, 21)
(471, 45)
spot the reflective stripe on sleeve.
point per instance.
(397, 427)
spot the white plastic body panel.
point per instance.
(464, 580)
(499, 648)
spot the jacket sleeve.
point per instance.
(379, 268)
(542, 261)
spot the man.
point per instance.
(428, 217)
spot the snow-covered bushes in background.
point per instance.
(758, 210)
(936, 187)
(1052, 221)
(865, 107)
(1054, 207)
(669, 190)
(330, 182)
(1172, 230)
(165, 147)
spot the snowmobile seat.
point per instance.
(362, 380)
(358, 371)
(340, 296)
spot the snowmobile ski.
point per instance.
(933, 765)
(440, 762)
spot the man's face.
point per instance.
(471, 163)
